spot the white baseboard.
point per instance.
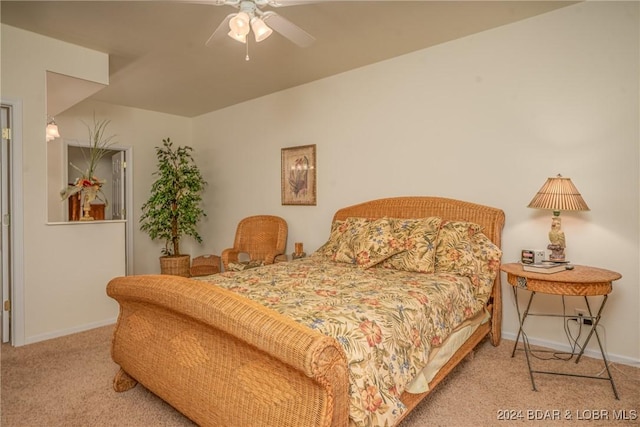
(594, 353)
(74, 330)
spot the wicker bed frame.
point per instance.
(223, 360)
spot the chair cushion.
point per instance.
(239, 266)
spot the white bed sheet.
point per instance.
(441, 355)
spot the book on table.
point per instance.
(544, 268)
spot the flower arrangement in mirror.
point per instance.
(87, 184)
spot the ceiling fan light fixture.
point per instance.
(239, 24)
(260, 30)
(242, 38)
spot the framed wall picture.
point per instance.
(298, 179)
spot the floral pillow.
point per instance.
(331, 245)
(464, 250)
(453, 251)
(374, 243)
(341, 234)
(486, 262)
(352, 227)
(240, 266)
(420, 237)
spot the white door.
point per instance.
(5, 218)
(118, 205)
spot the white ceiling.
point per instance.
(159, 62)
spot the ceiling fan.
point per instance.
(251, 17)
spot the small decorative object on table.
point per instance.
(91, 188)
(299, 253)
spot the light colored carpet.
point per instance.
(67, 382)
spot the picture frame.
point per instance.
(298, 175)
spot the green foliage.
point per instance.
(99, 145)
(174, 207)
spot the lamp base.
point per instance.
(556, 239)
(557, 253)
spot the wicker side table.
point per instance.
(580, 281)
(205, 265)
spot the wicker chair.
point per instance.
(262, 237)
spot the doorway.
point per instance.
(5, 217)
(11, 221)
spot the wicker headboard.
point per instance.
(490, 219)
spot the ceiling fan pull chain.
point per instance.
(246, 58)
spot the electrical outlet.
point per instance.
(540, 255)
(583, 317)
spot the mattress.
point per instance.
(439, 356)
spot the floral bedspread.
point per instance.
(386, 320)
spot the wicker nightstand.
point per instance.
(580, 281)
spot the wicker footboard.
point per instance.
(221, 359)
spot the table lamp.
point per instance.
(558, 194)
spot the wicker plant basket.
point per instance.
(175, 265)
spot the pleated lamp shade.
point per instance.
(559, 194)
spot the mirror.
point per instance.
(66, 160)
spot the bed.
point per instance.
(356, 334)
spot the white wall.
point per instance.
(487, 119)
(63, 272)
(66, 267)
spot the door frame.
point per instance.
(128, 200)
(6, 221)
(16, 229)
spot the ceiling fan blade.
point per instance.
(221, 31)
(283, 3)
(288, 29)
(209, 2)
